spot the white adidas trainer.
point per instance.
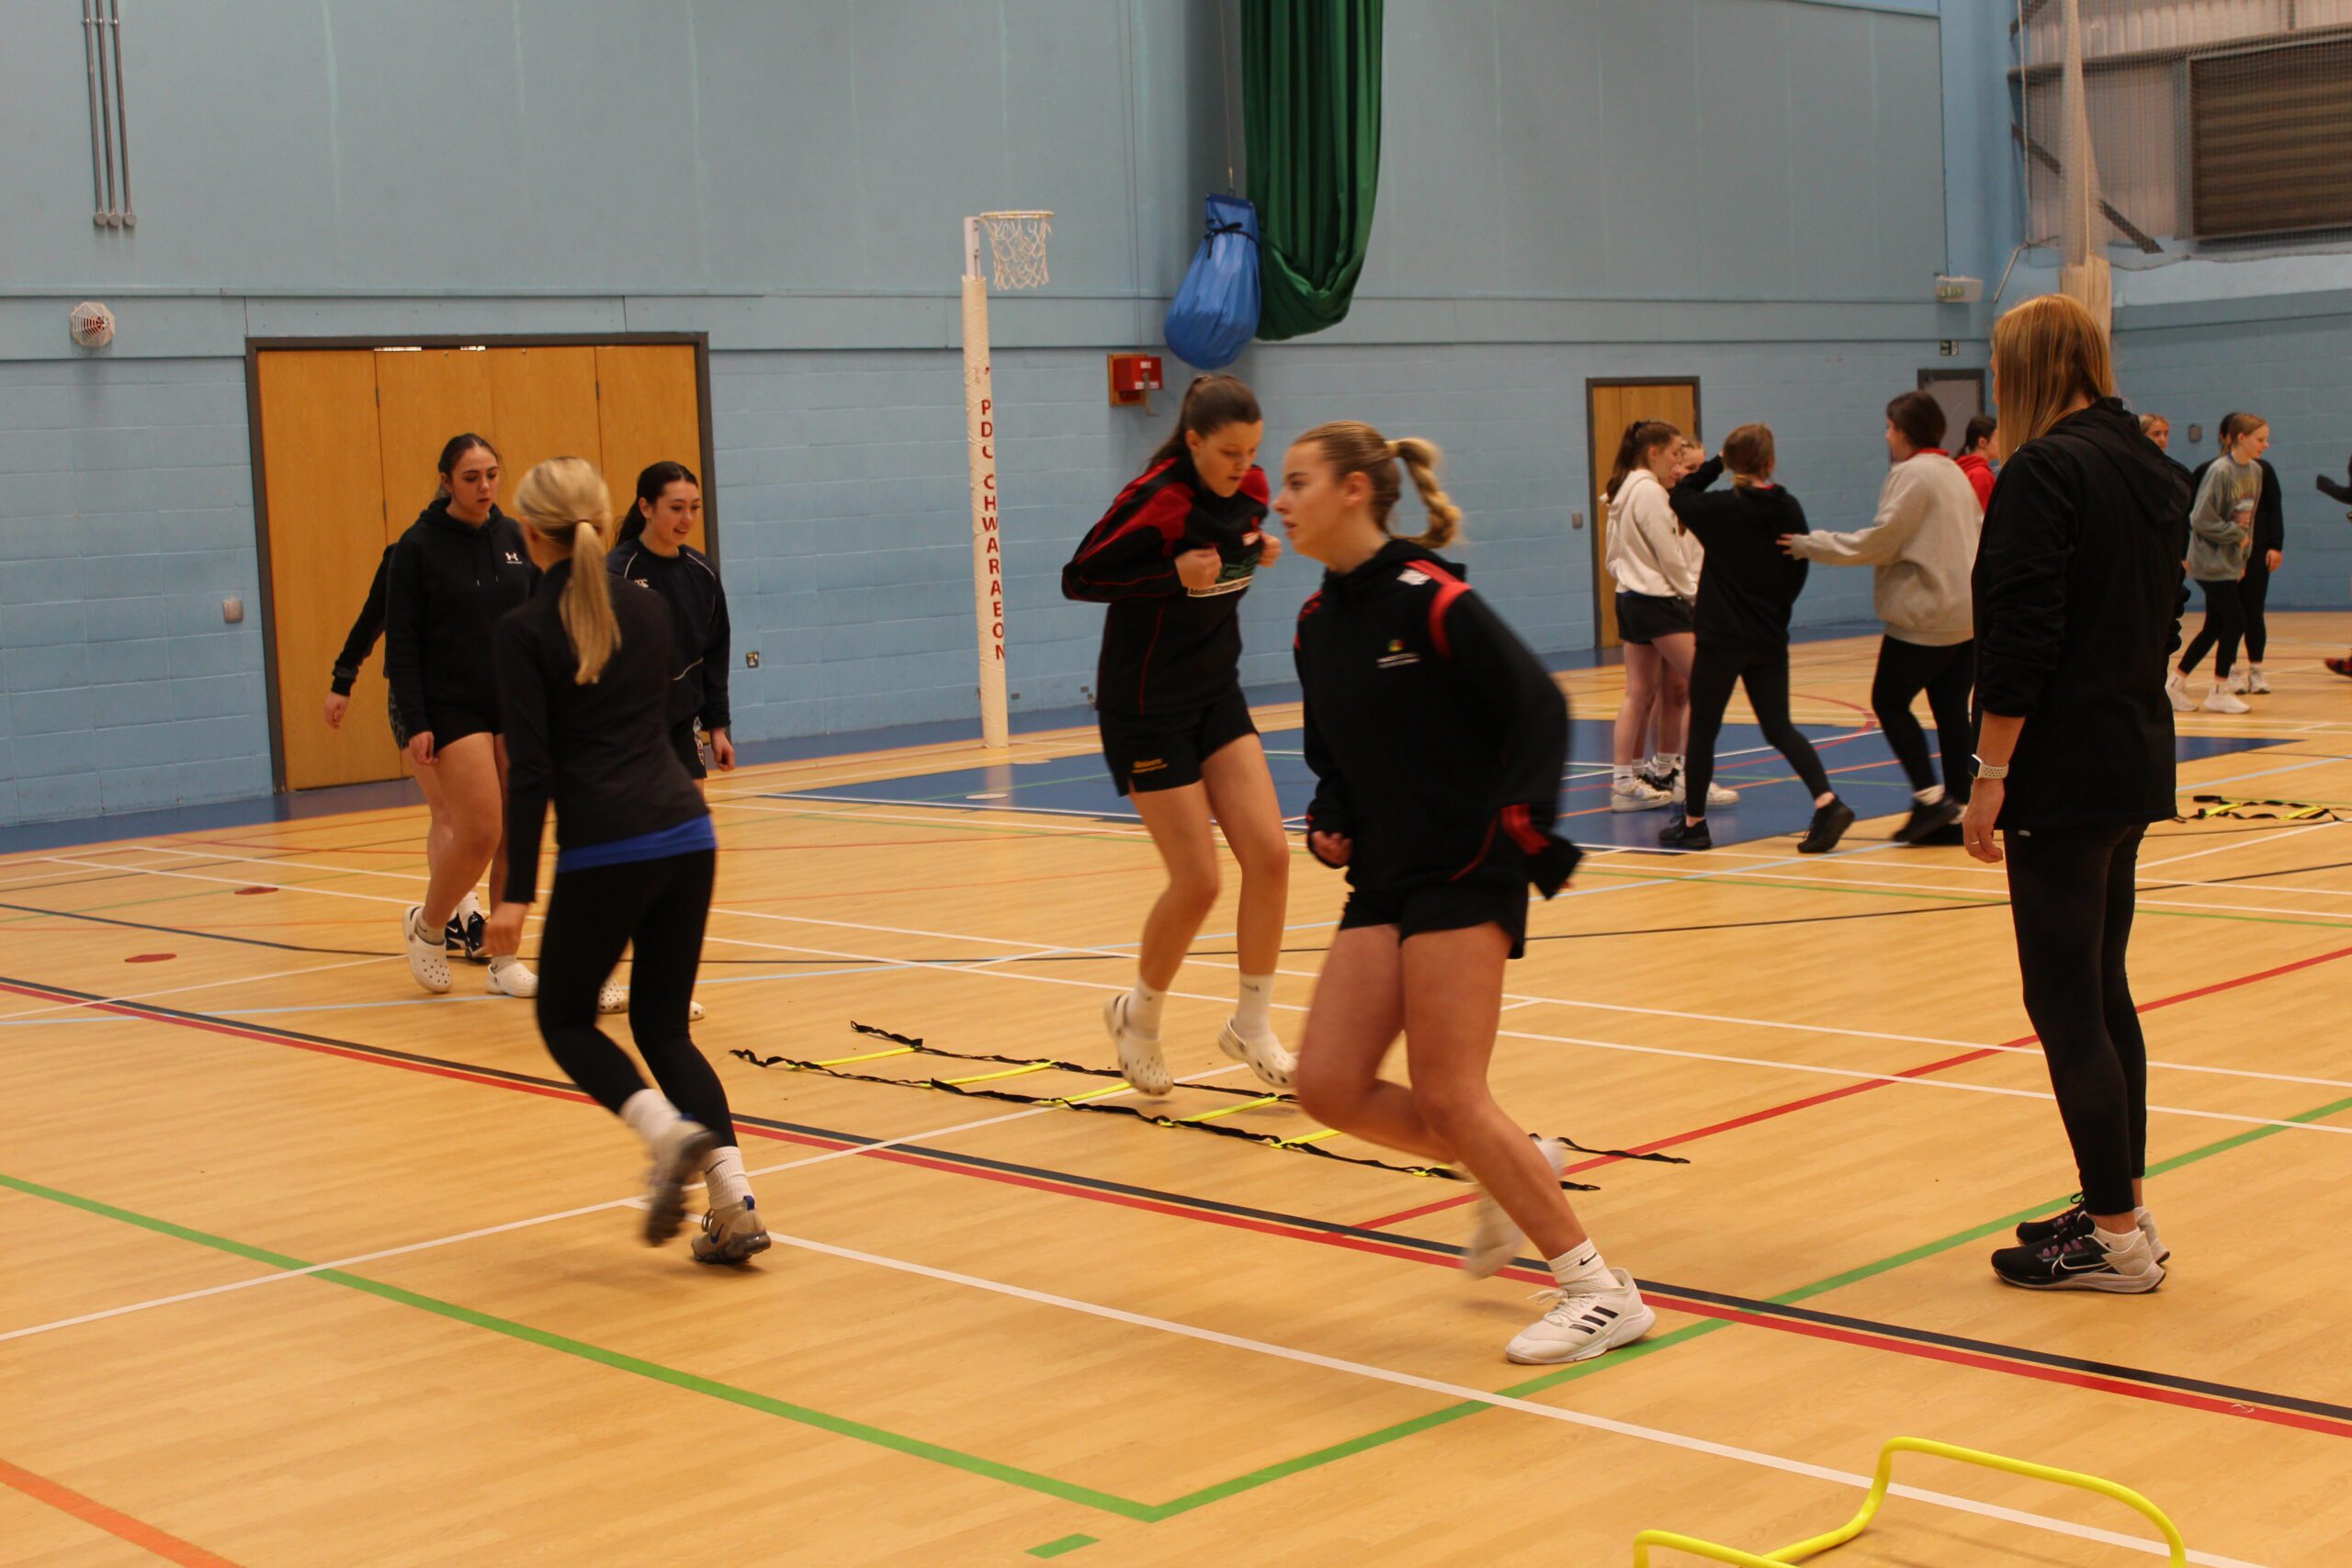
(1581, 1326)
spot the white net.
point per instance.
(1017, 247)
(2215, 127)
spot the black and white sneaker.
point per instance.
(1656, 775)
(2076, 1221)
(1829, 824)
(1681, 834)
(2082, 1262)
(1928, 820)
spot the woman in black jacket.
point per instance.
(1438, 743)
(1171, 559)
(1749, 586)
(584, 677)
(460, 566)
(2078, 592)
(653, 552)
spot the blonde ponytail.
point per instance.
(1421, 459)
(564, 502)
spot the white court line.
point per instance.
(638, 1203)
(1464, 1391)
(2238, 842)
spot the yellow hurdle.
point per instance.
(1878, 1483)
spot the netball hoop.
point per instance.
(1017, 258)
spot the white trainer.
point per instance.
(1580, 1327)
(678, 1155)
(1495, 1239)
(1275, 1068)
(427, 959)
(2177, 694)
(2256, 682)
(1634, 794)
(510, 976)
(2220, 699)
(1718, 797)
(1140, 1062)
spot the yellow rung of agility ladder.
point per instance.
(1245, 1105)
(869, 1056)
(1307, 1138)
(1091, 1094)
(1802, 1550)
(1007, 1073)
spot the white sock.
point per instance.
(650, 1115)
(1253, 1007)
(1581, 1266)
(1672, 760)
(2115, 1241)
(1931, 795)
(723, 1179)
(1620, 772)
(2142, 1215)
(1143, 1009)
(468, 905)
(499, 963)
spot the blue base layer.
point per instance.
(1772, 804)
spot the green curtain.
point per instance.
(1310, 77)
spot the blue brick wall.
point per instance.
(126, 517)
(2298, 374)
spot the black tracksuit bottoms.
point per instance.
(2224, 626)
(593, 915)
(2070, 898)
(1947, 675)
(1716, 669)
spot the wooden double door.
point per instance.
(349, 442)
(1612, 406)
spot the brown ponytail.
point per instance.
(1210, 404)
(1351, 447)
(1641, 437)
(564, 502)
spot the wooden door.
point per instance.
(1614, 405)
(423, 397)
(543, 404)
(325, 490)
(649, 409)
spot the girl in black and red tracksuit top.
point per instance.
(1438, 743)
(1171, 559)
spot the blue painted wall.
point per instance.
(1746, 190)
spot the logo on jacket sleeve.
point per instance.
(1398, 655)
(514, 560)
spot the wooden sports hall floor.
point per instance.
(305, 1267)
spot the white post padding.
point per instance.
(987, 550)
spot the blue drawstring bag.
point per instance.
(1216, 312)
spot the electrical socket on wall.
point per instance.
(752, 658)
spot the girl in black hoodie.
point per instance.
(1171, 559)
(460, 566)
(1745, 596)
(1438, 743)
(2078, 591)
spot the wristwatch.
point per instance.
(1990, 772)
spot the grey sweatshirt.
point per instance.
(1922, 544)
(2217, 535)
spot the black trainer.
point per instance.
(2076, 1221)
(453, 937)
(1942, 838)
(1657, 778)
(477, 938)
(2081, 1263)
(1829, 824)
(1927, 821)
(1680, 834)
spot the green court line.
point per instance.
(1146, 1513)
(1068, 1491)
(1056, 1547)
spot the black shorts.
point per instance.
(1442, 906)
(1165, 751)
(689, 748)
(1643, 618)
(447, 722)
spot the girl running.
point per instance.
(1920, 547)
(2221, 526)
(1742, 620)
(1171, 559)
(653, 552)
(1438, 744)
(584, 674)
(460, 566)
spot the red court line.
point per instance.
(1305, 1230)
(138, 1532)
(1772, 1111)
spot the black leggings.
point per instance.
(1947, 675)
(662, 906)
(1716, 669)
(2224, 624)
(2070, 898)
(2254, 599)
